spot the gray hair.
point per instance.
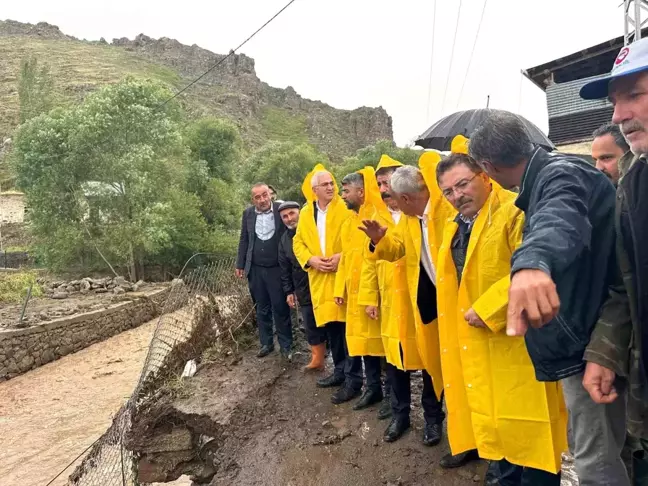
(501, 140)
(407, 180)
(353, 179)
(615, 131)
(316, 176)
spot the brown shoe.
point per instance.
(318, 353)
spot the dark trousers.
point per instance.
(265, 287)
(511, 475)
(314, 335)
(348, 367)
(372, 369)
(401, 396)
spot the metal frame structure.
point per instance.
(635, 18)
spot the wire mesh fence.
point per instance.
(208, 303)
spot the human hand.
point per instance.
(533, 300)
(239, 272)
(374, 230)
(321, 264)
(599, 383)
(372, 312)
(338, 300)
(290, 300)
(474, 320)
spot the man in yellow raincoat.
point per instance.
(494, 402)
(384, 293)
(318, 249)
(362, 333)
(415, 239)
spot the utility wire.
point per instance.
(429, 98)
(231, 53)
(472, 52)
(454, 40)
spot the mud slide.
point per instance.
(255, 422)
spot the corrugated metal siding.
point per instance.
(577, 127)
(563, 99)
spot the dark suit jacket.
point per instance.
(248, 235)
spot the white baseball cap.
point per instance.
(631, 59)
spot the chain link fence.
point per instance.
(207, 304)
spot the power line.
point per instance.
(472, 52)
(231, 53)
(454, 40)
(429, 99)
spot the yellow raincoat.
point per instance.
(362, 333)
(384, 284)
(306, 244)
(406, 242)
(494, 402)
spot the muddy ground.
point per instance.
(272, 426)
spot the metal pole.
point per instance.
(22, 312)
(487, 101)
(637, 19)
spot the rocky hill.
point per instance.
(233, 90)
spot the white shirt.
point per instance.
(395, 214)
(426, 255)
(321, 227)
(265, 225)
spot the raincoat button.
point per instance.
(445, 350)
(462, 310)
(441, 315)
(448, 385)
(469, 385)
(465, 347)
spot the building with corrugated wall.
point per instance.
(571, 118)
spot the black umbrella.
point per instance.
(439, 136)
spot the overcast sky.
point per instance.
(350, 53)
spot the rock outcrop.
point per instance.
(232, 90)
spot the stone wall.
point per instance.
(24, 349)
(12, 207)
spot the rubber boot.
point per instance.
(639, 468)
(318, 352)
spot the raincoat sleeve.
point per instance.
(340, 279)
(492, 305)
(368, 293)
(302, 253)
(390, 248)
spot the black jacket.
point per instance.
(568, 233)
(293, 278)
(248, 235)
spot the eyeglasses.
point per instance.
(459, 187)
(324, 185)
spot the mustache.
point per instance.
(462, 200)
(385, 195)
(632, 126)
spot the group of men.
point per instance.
(514, 279)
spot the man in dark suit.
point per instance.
(258, 260)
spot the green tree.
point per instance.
(217, 142)
(35, 89)
(371, 156)
(221, 205)
(109, 175)
(284, 165)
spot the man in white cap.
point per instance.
(616, 345)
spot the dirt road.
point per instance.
(50, 415)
